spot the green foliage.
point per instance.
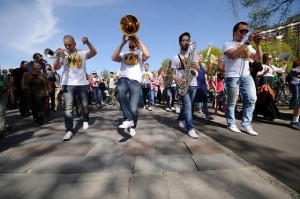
(275, 48)
(262, 11)
(104, 74)
(165, 63)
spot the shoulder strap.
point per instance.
(182, 65)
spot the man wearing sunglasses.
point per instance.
(237, 75)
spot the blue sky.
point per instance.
(29, 26)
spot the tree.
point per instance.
(275, 48)
(262, 11)
(104, 74)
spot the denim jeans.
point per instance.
(129, 97)
(97, 95)
(69, 94)
(171, 92)
(186, 111)
(246, 87)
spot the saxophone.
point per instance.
(189, 72)
(168, 79)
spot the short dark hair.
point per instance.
(296, 63)
(184, 34)
(236, 26)
(36, 55)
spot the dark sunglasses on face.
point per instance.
(244, 31)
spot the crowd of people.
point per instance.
(244, 73)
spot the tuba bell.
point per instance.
(129, 25)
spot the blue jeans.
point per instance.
(129, 97)
(171, 92)
(69, 94)
(186, 111)
(246, 87)
(97, 95)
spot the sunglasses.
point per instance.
(244, 31)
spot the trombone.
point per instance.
(268, 36)
(129, 25)
(54, 54)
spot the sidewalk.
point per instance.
(160, 161)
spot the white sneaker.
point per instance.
(149, 109)
(249, 130)
(167, 109)
(193, 134)
(233, 128)
(126, 124)
(85, 125)
(173, 108)
(181, 124)
(68, 135)
(132, 132)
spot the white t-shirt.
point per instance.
(237, 67)
(74, 69)
(271, 72)
(130, 70)
(146, 77)
(176, 63)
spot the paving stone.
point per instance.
(136, 148)
(74, 149)
(227, 183)
(107, 148)
(18, 164)
(169, 148)
(216, 161)
(148, 187)
(88, 164)
(164, 163)
(202, 147)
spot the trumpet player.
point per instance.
(73, 80)
(237, 75)
(130, 77)
(178, 65)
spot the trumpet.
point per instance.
(267, 36)
(54, 54)
(129, 25)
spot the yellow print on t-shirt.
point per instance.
(245, 53)
(146, 76)
(74, 61)
(131, 58)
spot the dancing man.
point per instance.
(74, 81)
(130, 77)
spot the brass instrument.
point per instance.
(267, 36)
(189, 72)
(168, 78)
(54, 54)
(129, 25)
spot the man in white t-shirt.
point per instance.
(74, 80)
(130, 77)
(237, 75)
(178, 64)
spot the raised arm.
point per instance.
(116, 55)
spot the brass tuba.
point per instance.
(129, 25)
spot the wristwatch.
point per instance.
(247, 42)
